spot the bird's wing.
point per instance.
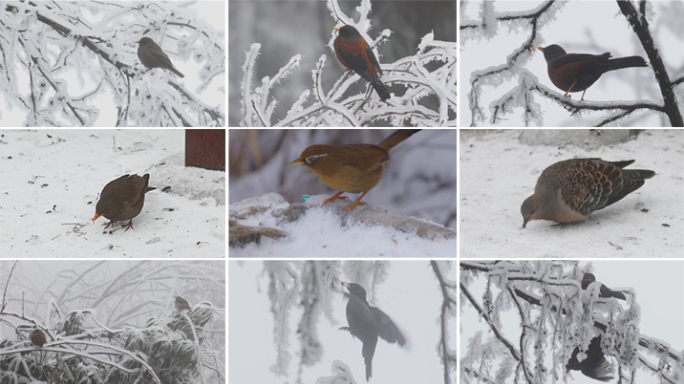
(607, 292)
(387, 330)
(590, 184)
(601, 369)
(158, 54)
(583, 58)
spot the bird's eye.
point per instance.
(311, 159)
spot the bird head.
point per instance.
(356, 290)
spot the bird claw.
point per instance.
(348, 330)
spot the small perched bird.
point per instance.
(603, 291)
(595, 365)
(38, 337)
(152, 56)
(571, 190)
(181, 303)
(352, 168)
(122, 199)
(354, 53)
(367, 323)
(575, 72)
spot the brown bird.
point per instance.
(575, 72)
(571, 190)
(38, 337)
(595, 365)
(182, 304)
(123, 199)
(152, 56)
(353, 168)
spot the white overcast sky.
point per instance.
(410, 296)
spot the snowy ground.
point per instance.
(498, 172)
(52, 180)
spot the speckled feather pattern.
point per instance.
(570, 190)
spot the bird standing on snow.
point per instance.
(367, 323)
(571, 190)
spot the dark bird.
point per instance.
(181, 303)
(152, 56)
(354, 53)
(122, 199)
(595, 365)
(571, 190)
(38, 337)
(352, 168)
(575, 72)
(367, 323)
(604, 291)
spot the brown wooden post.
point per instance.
(205, 148)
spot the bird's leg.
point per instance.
(335, 197)
(567, 94)
(354, 204)
(129, 225)
(348, 330)
(108, 224)
(582, 99)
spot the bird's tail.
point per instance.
(397, 137)
(627, 62)
(174, 70)
(380, 89)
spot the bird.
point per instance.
(595, 365)
(604, 291)
(152, 56)
(123, 199)
(575, 72)
(571, 190)
(354, 53)
(181, 303)
(367, 323)
(38, 337)
(352, 168)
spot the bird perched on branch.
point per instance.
(367, 323)
(575, 72)
(595, 365)
(352, 168)
(38, 337)
(571, 190)
(604, 291)
(182, 304)
(354, 53)
(152, 56)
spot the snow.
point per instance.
(499, 171)
(52, 180)
(556, 284)
(419, 185)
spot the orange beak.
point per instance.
(96, 217)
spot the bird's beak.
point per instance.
(137, 42)
(541, 49)
(96, 217)
(296, 162)
(345, 284)
(337, 29)
(525, 221)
